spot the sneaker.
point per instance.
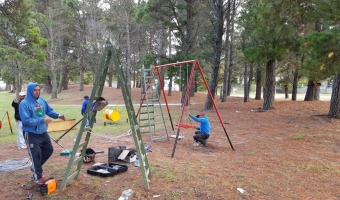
(40, 181)
(22, 147)
(204, 143)
(195, 144)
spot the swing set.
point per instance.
(195, 64)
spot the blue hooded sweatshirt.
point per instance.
(84, 104)
(204, 123)
(33, 111)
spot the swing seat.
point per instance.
(185, 126)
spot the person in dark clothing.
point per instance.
(83, 108)
(15, 104)
(203, 131)
(33, 113)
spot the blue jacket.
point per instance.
(204, 124)
(32, 119)
(84, 105)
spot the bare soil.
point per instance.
(290, 152)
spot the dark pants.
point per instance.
(201, 137)
(40, 149)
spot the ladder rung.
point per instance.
(154, 123)
(81, 145)
(76, 161)
(148, 70)
(147, 172)
(144, 125)
(142, 113)
(153, 131)
(155, 115)
(160, 138)
(152, 99)
(150, 92)
(150, 77)
(86, 129)
(72, 175)
(149, 105)
(146, 119)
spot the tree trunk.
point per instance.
(295, 84)
(65, 79)
(334, 109)
(193, 84)
(245, 84)
(81, 77)
(54, 93)
(217, 53)
(313, 91)
(110, 78)
(231, 48)
(286, 92)
(269, 85)
(128, 49)
(17, 79)
(48, 85)
(60, 82)
(258, 95)
(170, 85)
(226, 54)
(250, 79)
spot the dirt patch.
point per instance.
(291, 152)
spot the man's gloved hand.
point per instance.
(62, 117)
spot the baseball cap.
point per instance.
(22, 94)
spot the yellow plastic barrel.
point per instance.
(113, 115)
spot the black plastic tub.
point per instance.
(108, 169)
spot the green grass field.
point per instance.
(70, 112)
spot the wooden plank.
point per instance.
(60, 125)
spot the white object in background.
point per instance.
(242, 191)
(126, 194)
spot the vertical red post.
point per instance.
(163, 92)
(212, 100)
(183, 107)
(9, 122)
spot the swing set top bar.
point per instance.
(176, 64)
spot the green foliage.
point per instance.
(323, 50)
(270, 34)
(149, 60)
(21, 45)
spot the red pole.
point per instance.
(183, 107)
(9, 122)
(166, 101)
(212, 100)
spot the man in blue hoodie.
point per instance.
(203, 132)
(33, 113)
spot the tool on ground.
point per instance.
(56, 141)
(90, 155)
(48, 186)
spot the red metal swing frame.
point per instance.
(194, 63)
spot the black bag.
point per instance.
(114, 153)
(89, 156)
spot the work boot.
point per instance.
(40, 181)
(195, 144)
